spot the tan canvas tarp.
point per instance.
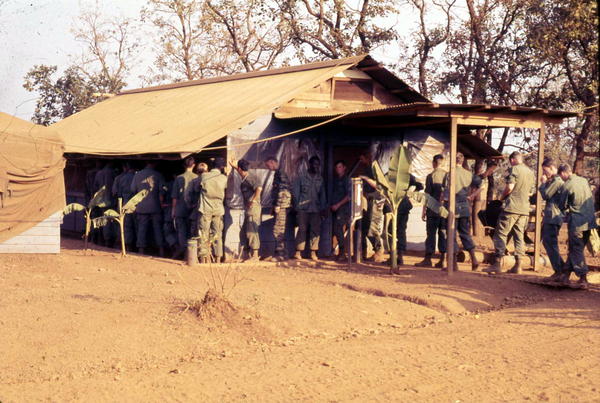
(32, 185)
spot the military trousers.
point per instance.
(506, 223)
(576, 259)
(210, 231)
(340, 219)
(193, 227)
(371, 226)
(169, 232)
(250, 239)
(550, 242)
(110, 230)
(308, 221)
(436, 227)
(462, 229)
(401, 224)
(279, 221)
(129, 224)
(183, 231)
(142, 223)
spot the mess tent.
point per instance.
(334, 109)
(32, 189)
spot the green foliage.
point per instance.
(131, 205)
(429, 202)
(399, 175)
(73, 207)
(97, 199)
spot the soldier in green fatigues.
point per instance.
(310, 202)
(151, 206)
(553, 216)
(282, 200)
(462, 211)
(436, 225)
(251, 190)
(339, 206)
(211, 210)
(180, 212)
(520, 185)
(576, 197)
(402, 220)
(192, 197)
(122, 190)
(372, 221)
(169, 232)
(89, 192)
(105, 179)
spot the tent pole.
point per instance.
(450, 252)
(538, 200)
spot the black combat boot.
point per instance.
(440, 264)
(516, 269)
(495, 267)
(474, 261)
(425, 262)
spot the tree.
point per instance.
(58, 99)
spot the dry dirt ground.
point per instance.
(96, 327)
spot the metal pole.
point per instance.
(538, 201)
(451, 199)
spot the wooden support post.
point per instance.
(452, 199)
(538, 201)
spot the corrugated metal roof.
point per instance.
(185, 117)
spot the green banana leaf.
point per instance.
(72, 208)
(111, 213)
(429, 202)
(131, 205)
(398, 174)
(97, 200)
(101, 221)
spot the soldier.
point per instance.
(520, 185)
(282, 199)
(436, 225)
(89, 192)
(251, 190)
(339, 206)
(169, 232)
(105, 179)
(151, 206)
(462, 211)
(402, 220)
(576, 196)
(122, 190)
(553, 216)
(310, 203)
(180, 212)
(192, 197)
(373, 219)
(211, 209)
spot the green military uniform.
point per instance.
(434, 184)
(373, 218)
(576, 196)
(250, 236)
(149, 209)
(402, 219)
(552, 221)
(515, 211)
(122, 190)
(191, 198)
(341, 189)
(211, 210)
(105, 179)
(169, 232)
(282, 198)
(462, 211)
(310, 201)
(182, 212)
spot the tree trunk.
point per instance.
(580, 141)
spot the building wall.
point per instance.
(43, 238)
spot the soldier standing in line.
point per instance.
(151, 206)
(180, 212)
(576, 197)
(553, 217)
(211, 209)
(520, 185)
(251, 190)
(105, 179)
(310, 202)
(436, 225)
(282, 200)
(169, 232)
(89, 192)
(122, 190)
(339, 206)
(462, 211)
(373, 219)
(402, 221)
(192, 198)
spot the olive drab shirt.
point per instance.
(152, 181)
(248, 186)
(191, 196)
(105, 178)
(518, 200)
(434, 185)
(281, 192)
(550, 192)
(576, 196)
(309, 193)
(212, 193)
(368, 189)
(181, 183)
(406, 205)
(341, 188)
(464, 181)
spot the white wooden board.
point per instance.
(43, 238)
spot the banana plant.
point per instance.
(119, 217)
(97, 201)
(394, 188)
